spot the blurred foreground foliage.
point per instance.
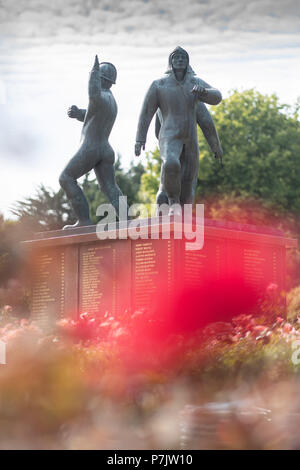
(82, 386)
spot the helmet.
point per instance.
(108, 71)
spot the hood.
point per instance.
(170, 68)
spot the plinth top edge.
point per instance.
(222, 228)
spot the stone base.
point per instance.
(72, 271)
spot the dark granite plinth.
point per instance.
(73, 271)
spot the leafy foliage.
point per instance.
(9, 254)
(128, 181)
(261, 142)
(151, 177)
(80, 392)
(47, 210)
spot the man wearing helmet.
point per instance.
(177, 99)
(95, 151)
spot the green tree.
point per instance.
(129, 182)
(261, 142)
(9, 248)
(12, 290)
(150, 179)
(46, 210)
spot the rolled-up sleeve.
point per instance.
(213, 95)
(149, 108)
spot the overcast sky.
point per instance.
(47, 49)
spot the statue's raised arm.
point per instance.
(95, 81)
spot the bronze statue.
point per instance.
(95, 151)
(179, 101)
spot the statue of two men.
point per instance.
(178, 102)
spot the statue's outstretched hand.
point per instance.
(219, 153)
(219, 156)
(199, 91)
(138, 147)
(73, 111)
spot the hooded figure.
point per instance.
(179, 98)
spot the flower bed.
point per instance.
(120, 383)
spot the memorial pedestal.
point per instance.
(74, 271)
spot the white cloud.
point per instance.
(33, 18)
